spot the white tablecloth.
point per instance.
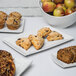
(42, 64)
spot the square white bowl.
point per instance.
(19, 30)
(11, 41)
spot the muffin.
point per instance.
(15, 14)
(7, 66)
(25, 43)
(2, 23)
(3, 17)
(13, 23)
(43, 32)
(54, 36)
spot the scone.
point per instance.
(37, 41)
(54, 36)
(13, 23)
(2, 23)
(7, 66)
(67, 55)
(43, 32)
(24, 43)
(15, 14)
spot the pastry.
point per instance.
(5, 54)
(54, 36)
(24, 43)
(2, 23)
(15, 14)
(37, 41)
(3, 17)
(43, 32)
(7, 66)
(67, 55)
(13, 23)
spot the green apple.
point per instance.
(59, 12)
(69, 3)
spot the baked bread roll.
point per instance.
(67, 55)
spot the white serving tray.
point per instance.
(19, 30)
(21, 65)
(60, 63)
(11, 41)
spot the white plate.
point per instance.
(60, 63)
(19, 30)
(11, 41)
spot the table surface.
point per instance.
(42, 64)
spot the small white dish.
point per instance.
(11, 41)
(21, 65)
(19, 30)
(60, 63)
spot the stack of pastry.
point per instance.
(38, 40)
(13, 21)
(67, 55)
(7, 66)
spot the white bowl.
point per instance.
(61, 22)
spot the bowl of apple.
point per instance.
(59, 13)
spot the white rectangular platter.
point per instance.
(21, 65)
(11, 41)
(19, 30)
(60, 63)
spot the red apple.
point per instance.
(61, 6)
(58, 1)
(46, 0)
(59, 12)
(69, 11)
(48, 6)
(69, 3)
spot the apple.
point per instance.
(46, 1)
(58, 1)
(69, 11)
(59, 12)
(48, 6)
(69, 3)
(61, 6)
